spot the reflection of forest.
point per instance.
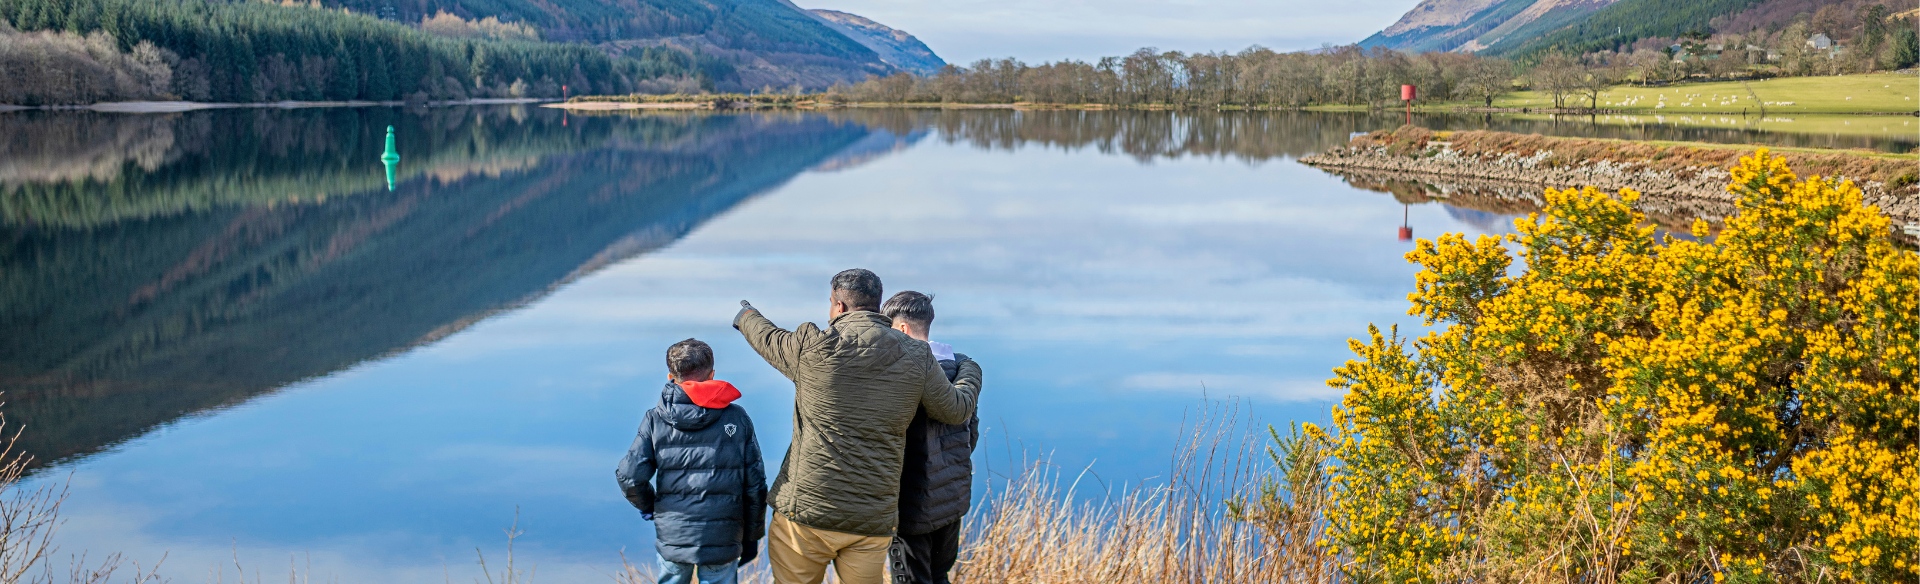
(1263, 135)
(124, 314)
(83, 168)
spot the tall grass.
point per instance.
(1194, 528)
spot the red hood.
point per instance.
(713, 394)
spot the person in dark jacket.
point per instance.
(936, 483)
(695, 472)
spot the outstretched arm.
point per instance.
(780, 347)
(952, 403)
(635, 472)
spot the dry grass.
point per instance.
(1033, 530)
(29, 518)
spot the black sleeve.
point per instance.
(755, 500)
(635, 472)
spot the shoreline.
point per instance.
(168, 107)
(1675, 178)
(606, 106)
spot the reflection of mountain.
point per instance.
(877, 144)
(81, 169)
(136, 319)
(1143, 135)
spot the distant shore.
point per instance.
(1680, 178)
(601, 106)
(164, 107)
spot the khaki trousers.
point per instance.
(800, 554)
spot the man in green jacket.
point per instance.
(856, 386)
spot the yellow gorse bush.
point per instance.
(1624, 408)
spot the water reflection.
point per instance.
(1259, 136)
(208, 271)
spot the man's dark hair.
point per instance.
(910, 306)
(857, 288)
(688, 357)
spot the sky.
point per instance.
(962, 31)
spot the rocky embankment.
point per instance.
(1676, 181)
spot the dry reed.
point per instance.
(1033, 530)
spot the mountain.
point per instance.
(1476, 25)
(895, 47)
(1522, 28)
(1630, 20)
(392, 50)
(767, 42)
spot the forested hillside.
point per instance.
(1471, 25)
(765, 42)
(254, 51)
(1627, 21)
(244, 51)
(1526, 29)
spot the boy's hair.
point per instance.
(857, 288)
(910, 306)
(688, 357)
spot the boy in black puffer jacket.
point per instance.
(936, 481)
(695, 471)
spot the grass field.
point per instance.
(1845, 94)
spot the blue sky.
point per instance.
(962, 31)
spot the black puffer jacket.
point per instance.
(936, 483)
(698, 471)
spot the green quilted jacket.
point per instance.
(856, 387)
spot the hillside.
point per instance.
(380, 50)
(1523, 28)
(895, 47)
(1472, 25)
(1625, 22)
(767, 42)
(212, 50)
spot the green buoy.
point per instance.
(390, 158)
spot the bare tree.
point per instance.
(1487, 79)
(1559, 76)
(1593, 81)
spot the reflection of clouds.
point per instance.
(1104, 245)
(1090, 268)
(1218, 386)
(128, 530)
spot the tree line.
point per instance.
(1255, 77)
(255, 51)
